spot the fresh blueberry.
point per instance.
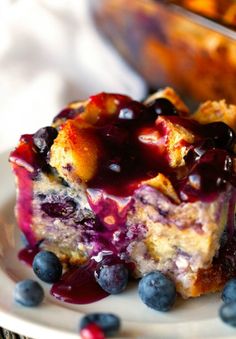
(47, 266)
(28, 293)
(43, 139)
(229, 292)
(157, 291)
(222, 134)
(108, 322)
(228, 313)
(113, 278)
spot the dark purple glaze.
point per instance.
(135, 149)
(61, 210)
(208, 176)
(27, 254)
(226, 258)
(79, 286)
(110, 210)
(68, 113)
(231, 215)
(25, 167)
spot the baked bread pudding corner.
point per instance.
(146, 182)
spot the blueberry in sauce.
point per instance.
(209, 175)
(114, 167)
(162, 106)
(68, 113)
(112, 278)
(199, 149)
(28, 293)
(132, 110)
(47, 267)
(228, 313)
(157, 291)
(62, 209)
(114, 135)
(222, 135)
(43, 139)
(108, 322)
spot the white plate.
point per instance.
(196, 318)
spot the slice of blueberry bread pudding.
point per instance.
(144, 181)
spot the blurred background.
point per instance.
(56, 51)
(51, 54)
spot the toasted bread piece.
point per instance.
(75, 152)
(170, 94)
(168, 139)
(212, 111)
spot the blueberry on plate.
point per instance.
(47, 267)
(228, 313)
(108, 322)
(157, 291)
(28, 293)
(113, 278)
(229, 292)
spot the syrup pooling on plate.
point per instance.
(27, 254)
(79, 286)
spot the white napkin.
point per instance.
(50, 54)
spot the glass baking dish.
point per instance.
(170, 44)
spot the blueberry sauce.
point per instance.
(61, 210)
(110, 210)
(208, 176)
(25, 167)
(79, 286)
(135, 148)
(27, 254)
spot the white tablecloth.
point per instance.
(50, 54)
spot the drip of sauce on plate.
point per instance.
(27, 254)
(78, 286)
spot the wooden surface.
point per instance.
(5, 334)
